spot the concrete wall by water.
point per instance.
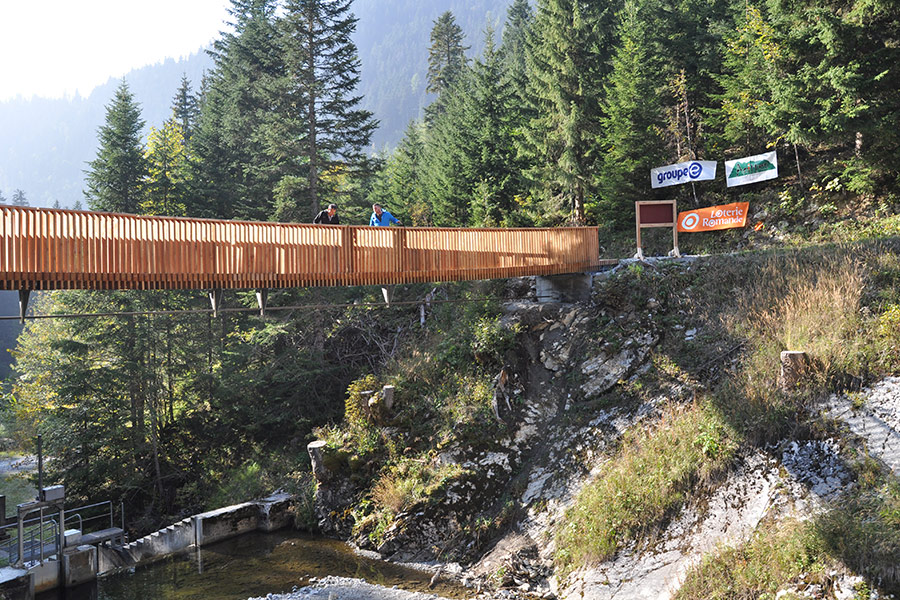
(206, 528)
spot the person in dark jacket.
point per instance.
(328, 216)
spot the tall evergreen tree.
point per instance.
(212, 162)
(841, 84)
(632, 119)
(446, 55)
(115, 179)
(448, 176)
(568, 57)
(401, 182)
(321, 131)
(165, 186)
(238, 171)
(494, 167)
(19, 199)
(186, 108)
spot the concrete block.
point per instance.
(224, 523)
(80, 566)
(575, 287)
(275, 512)
(54, 492)
(46, 576)
(73, 537)
(16, 584)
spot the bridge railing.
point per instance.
(63, 249)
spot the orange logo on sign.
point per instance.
(713, 218)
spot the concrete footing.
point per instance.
(574, 287)
(16, 584)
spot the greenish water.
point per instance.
(255, 564)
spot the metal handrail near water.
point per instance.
(104, 515)
(41, 534)
(40, 540)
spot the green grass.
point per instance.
(777, 555)
(17, 490)
(648, 480)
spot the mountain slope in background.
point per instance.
(46, 143)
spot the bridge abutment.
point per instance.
(574, 287)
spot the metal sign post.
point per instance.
(656, 213)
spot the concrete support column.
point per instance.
(574, 287)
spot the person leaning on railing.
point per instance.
(328, 216)
(382, 218)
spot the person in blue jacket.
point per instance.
(382, 218)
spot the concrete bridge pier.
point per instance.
(574, 287)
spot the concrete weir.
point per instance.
(268, 514)
(83, 562)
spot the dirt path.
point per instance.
(12, 465)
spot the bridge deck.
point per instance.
(59, 249)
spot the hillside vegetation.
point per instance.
(450, 473)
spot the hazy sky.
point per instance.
(52, 48)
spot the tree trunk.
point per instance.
(313, 149)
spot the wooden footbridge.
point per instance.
(47, 249)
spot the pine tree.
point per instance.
(400, 183)
(632, 117)
(448, 156)
(115, 177)
(320, 131)
(165, 186)
(186, 109)
(446, 55)
(236, 171)
(840, 85)
(568, 58)
(494, 166)
(19, 199)
(213, 163)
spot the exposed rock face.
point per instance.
(541, 449)
(874, 415)
(560, 432)
(763, 487)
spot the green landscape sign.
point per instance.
(751, 169)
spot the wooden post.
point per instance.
(316, 457)
(794, 366)
(262, 299)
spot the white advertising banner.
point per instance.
(742, 171)
(686, 172)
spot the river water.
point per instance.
(255, 564)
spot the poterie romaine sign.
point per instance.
(742, 171)
(686, 172)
